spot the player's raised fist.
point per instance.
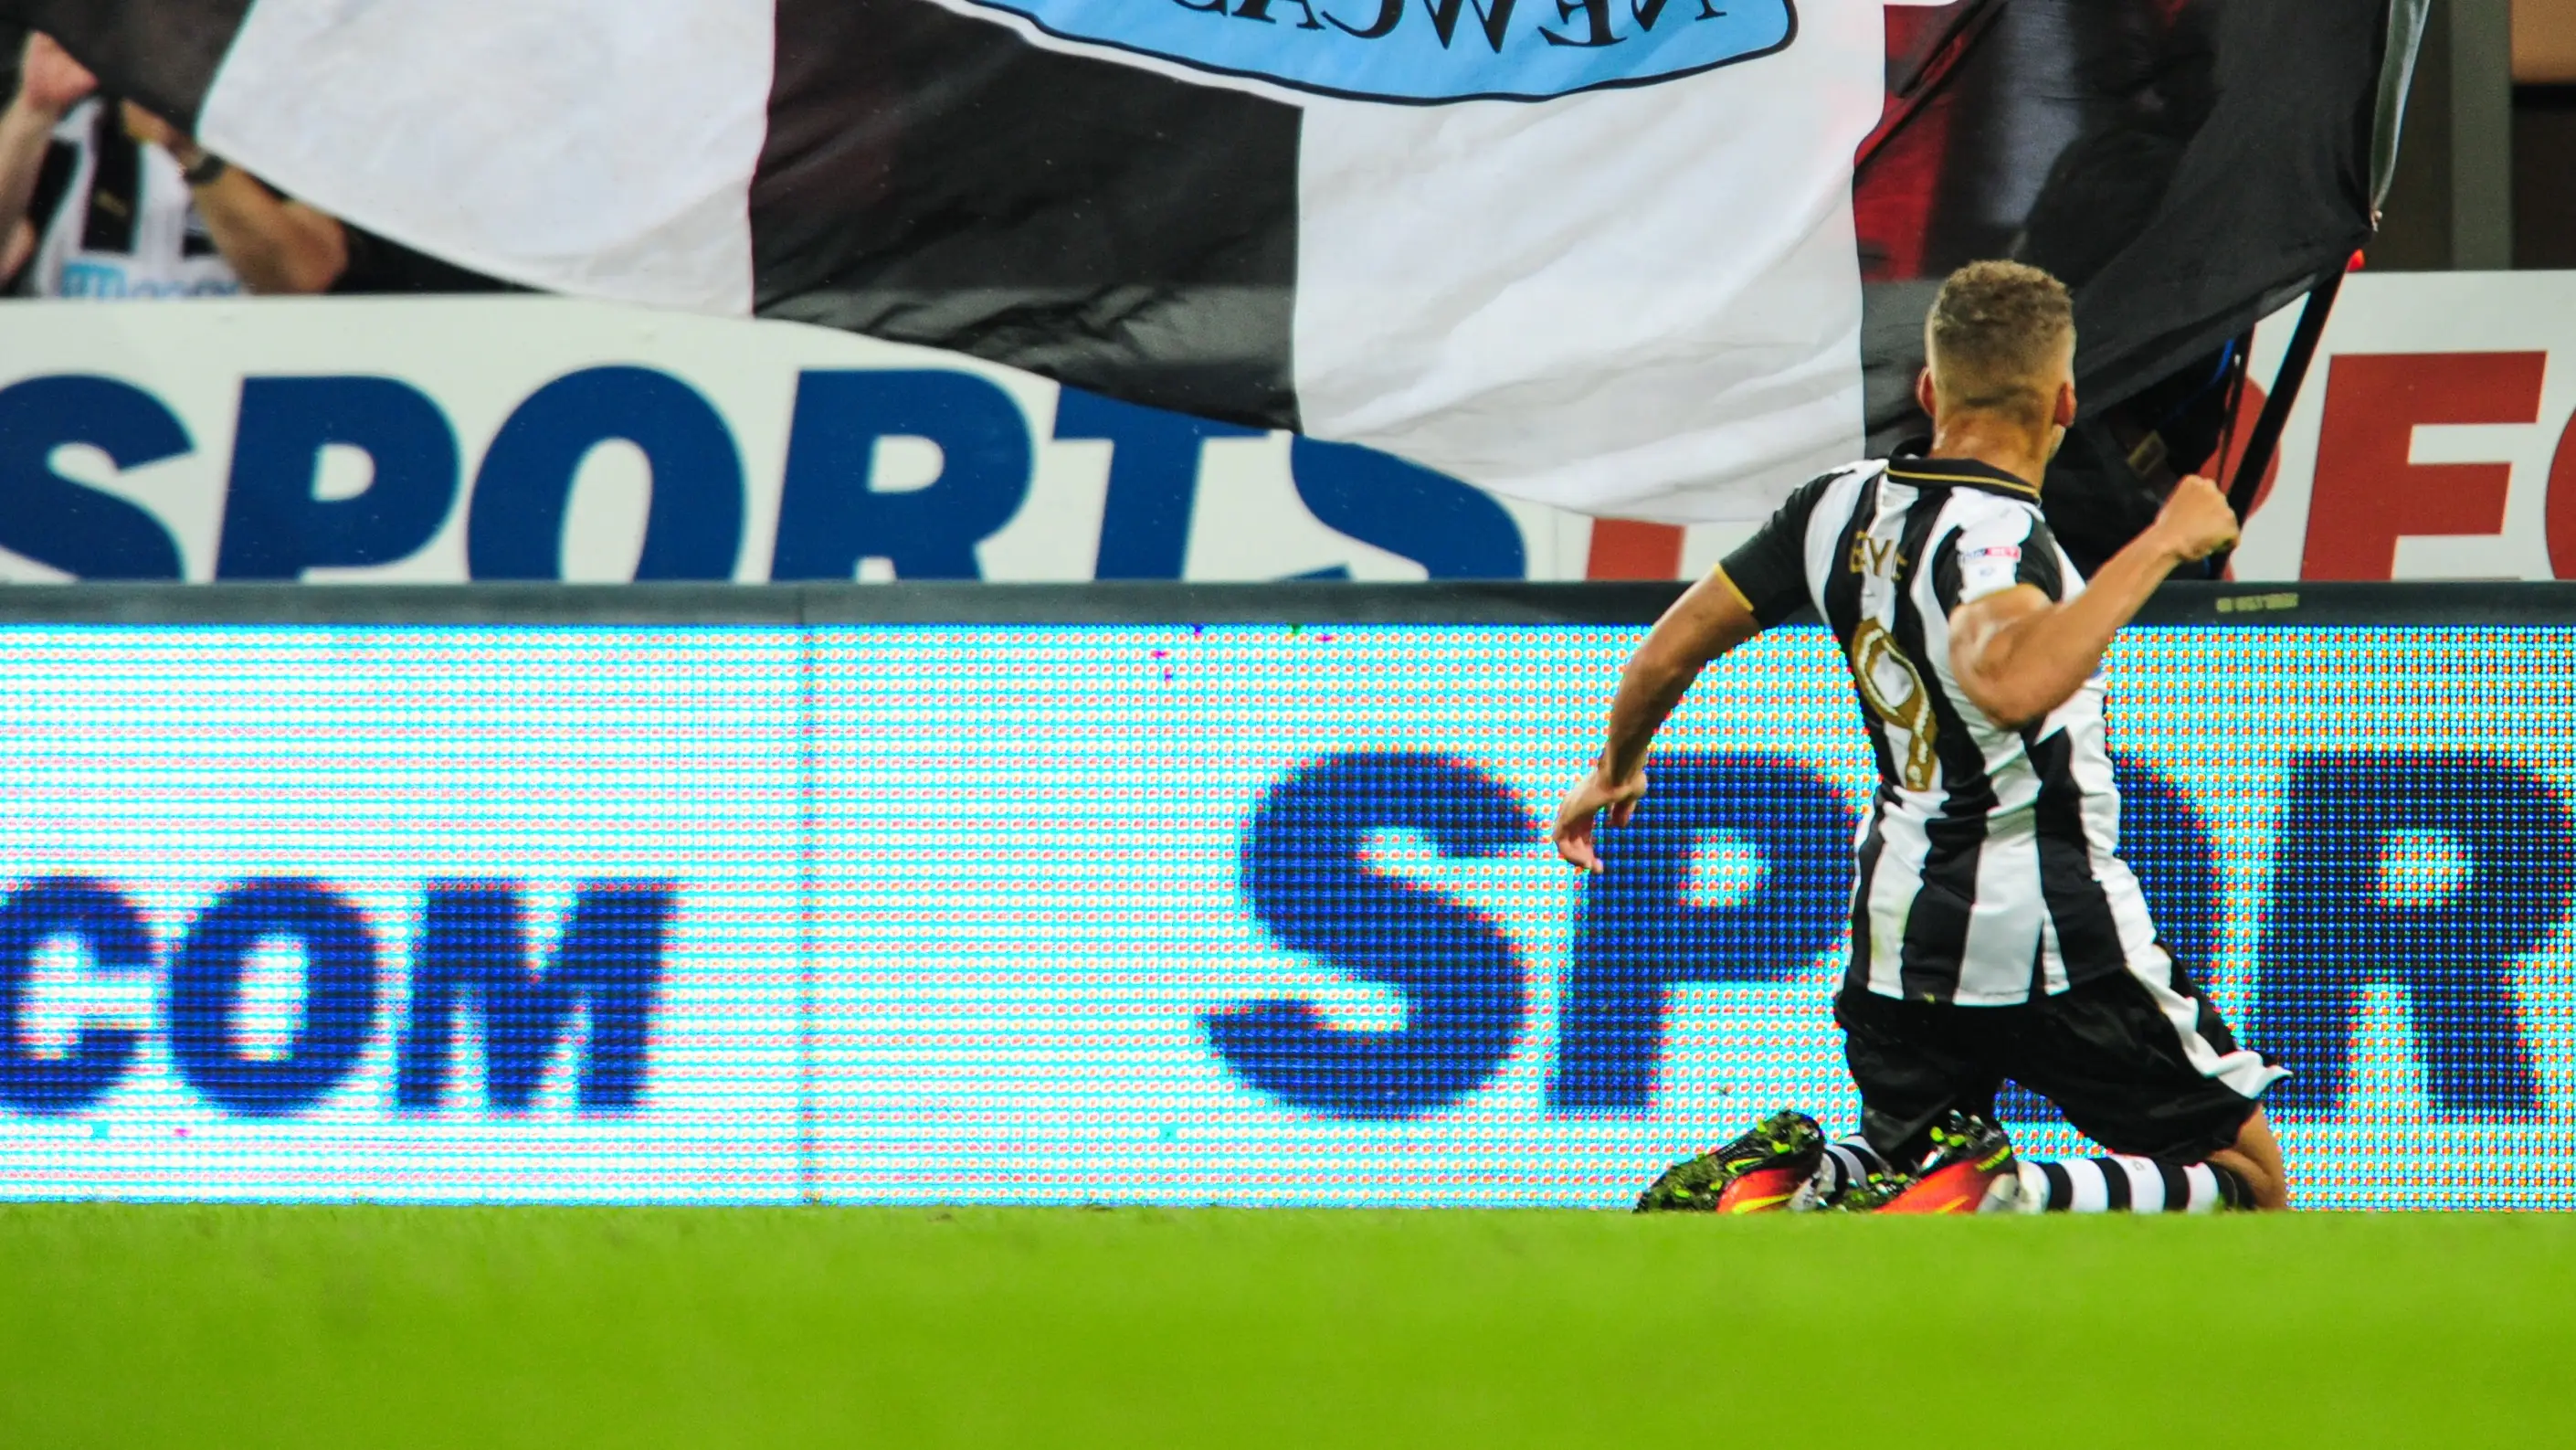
(50, 82)
(2196, 521)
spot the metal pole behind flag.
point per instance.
(2266, 437)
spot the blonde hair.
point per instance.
(1994, 336)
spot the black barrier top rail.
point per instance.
(1127, 602)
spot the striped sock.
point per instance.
(2128, 1185)
(1848, 1160)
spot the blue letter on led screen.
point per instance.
(2345, 915)
(111, 933)
(339, 996)
(1639, 930)
(474, 952)
(1304, 869)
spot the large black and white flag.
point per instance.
(1602, 254)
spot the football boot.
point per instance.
(1869, 1195)
(1971, 1170)
(1758, 1172)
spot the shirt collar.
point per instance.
(1908, 465)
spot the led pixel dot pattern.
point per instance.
(1168, 914)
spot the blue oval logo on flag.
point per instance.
(1430, 50)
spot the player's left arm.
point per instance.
(2017, 654)
(1707, 621)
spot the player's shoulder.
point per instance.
(1977, 513)
(1859, 470)
(1837, 484)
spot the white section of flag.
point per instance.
(1642, 303)
(586, 149)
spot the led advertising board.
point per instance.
(410, 913)
(1163, 913)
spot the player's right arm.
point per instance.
(1709, 619)
(1763, 582)
(2018, 655)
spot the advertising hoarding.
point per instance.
(444, 440)
(417, 914)
(439, 440)
(2435, 437)
(1163, 913)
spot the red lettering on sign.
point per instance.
(2562, 504)
(2367, 494)
(1633, 549)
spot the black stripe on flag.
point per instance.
(2088, 937)
(161, 53)
(936, 179)
(1936, 926)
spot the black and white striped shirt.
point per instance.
(116, 219)
(1986, 867)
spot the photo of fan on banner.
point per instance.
(101, 198)
(1657, 262)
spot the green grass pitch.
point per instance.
(171, 1326)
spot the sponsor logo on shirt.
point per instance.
(1428, 51)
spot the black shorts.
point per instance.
(2104, 1052)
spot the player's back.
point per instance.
(1917, 539)
(1986, 869)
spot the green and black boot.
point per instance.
(1758, 1172)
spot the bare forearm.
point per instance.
(1704, 623)
(1649, 687)
(1709, 619)
(24, 133)
(275, 246)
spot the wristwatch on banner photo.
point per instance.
(206, 170)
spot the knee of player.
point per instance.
(2259, 1184)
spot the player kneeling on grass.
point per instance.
(1996, 935)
